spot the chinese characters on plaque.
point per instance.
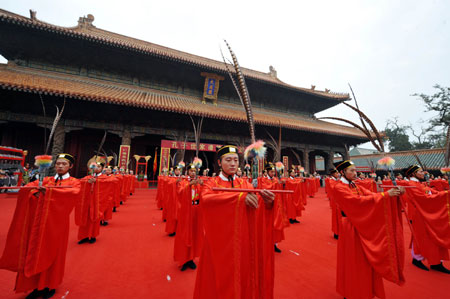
(211, 88)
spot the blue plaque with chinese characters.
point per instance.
(211, 88)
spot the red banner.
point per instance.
(286, 165)
(191, 146)
(164, 159)
(124, 155)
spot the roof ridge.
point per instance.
(145, 46)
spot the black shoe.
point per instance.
(114, 209)
(420, 265)
(184, 267)
(104, 223)
(192, 265)
(92, 240)
(291, 221)
(440, 268)
(276, 248)
(83, 241)
(131, 193)
(336, 236)
(172, 234)
(296, 221)
(35, 294)
(48, 293)
(121, 202)
(161, 209)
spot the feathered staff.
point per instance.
(388, 163)
(257, 149)
(100, 147)
(279, 167)
(45, 119)
(206, 160)
(372, 168)
(197, 133)
(173, 158)
(297, 157)
(116, 160)
(183, 150)
(242, 90)
(363, 118)
(43, 162)
(275, 145)
(423, 166)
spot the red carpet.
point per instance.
(133, 259)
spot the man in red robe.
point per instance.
(281, 221)
(189, 235)
(96, 196)
(108, 212)
(37, 239)
(292, 204)
(237, 256)
(370, 245)
(429, 213)
(171, 207)
(335, 213)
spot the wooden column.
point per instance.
(126, 137)
(306, 160)
(329, 161)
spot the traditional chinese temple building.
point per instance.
(144, 96)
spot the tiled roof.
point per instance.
(357, 151)
(84, 88)
(91, 33)
(432, 159)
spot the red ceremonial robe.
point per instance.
(430, 216)
(189, 237)
(107, 213)
(95, 199)
(281, 220)
(335, 212)
(118, 192)
(310, 187)
(368, 184)
(370, 245)
(170, 205)
(237, 256)
(37, 239)
(293, 200)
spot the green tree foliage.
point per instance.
(438, 124)
(397, 136)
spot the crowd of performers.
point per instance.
(369, 226)
(37, 239)
(235, 234)
(235, 223)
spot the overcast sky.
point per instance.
(387, 50)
